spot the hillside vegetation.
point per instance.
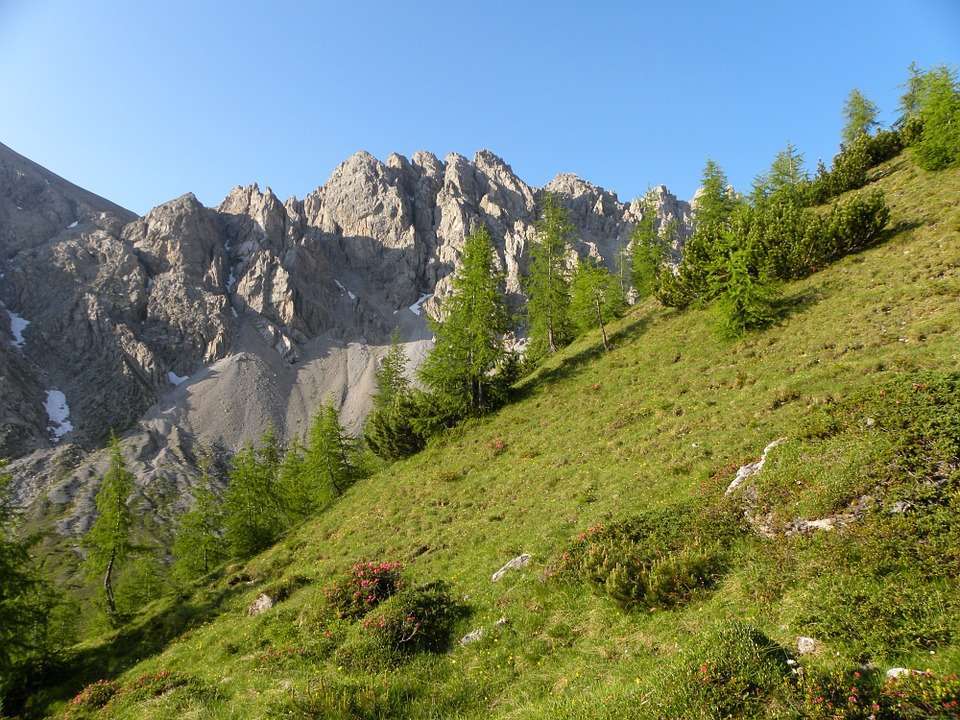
(649, 592)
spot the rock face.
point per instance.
(195, 326)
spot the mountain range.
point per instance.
(195, 327)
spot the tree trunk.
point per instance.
(108, 585)
(603, 330)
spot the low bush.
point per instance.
(416, 619)
(363, 588)
(734, 671)
(865, 695)
(93, 697)
(658, 559)
(854, 225)
(156, 684)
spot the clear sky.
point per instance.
(143, 101)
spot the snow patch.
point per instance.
(59, 414)
(72, 225)
(175, 379)
(416, 307)
(17, 326)
(343, 289)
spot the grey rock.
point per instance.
(807, 645)
(472, 637)
(518, 562)
(259, 606)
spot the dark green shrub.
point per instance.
(850, 166)
(883, 146)
(911, 131)
(416, 619)
(366, 585)
(658, 559)
(746, 300)
(855, 224)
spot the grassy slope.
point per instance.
(597, 436)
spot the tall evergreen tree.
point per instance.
(861, 116)
(461, 370)
(327, 469)
(648, 248)
(17, 582)
(548, 283)
(199, 545)
(939, 111)
(596, 298)
(255, 514)
(715, 201)
(747, 300)
(389, 429)
(786, 173)
(912, 93)
(108, 541)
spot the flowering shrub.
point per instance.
(415, 619)
(158, 683)
(859, 695)
(94, 696)
(366, 585)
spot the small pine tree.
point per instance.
(596, 298)
(108, 541)
(747, 300)
(913, 92)
(861, 116)
(648, 248)
(462, 370)
(327, 469)
(548, 283)
(391, 377)
(199, 545)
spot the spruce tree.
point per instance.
(548, 283)
(389, 429)
(596, 298)
(714, 200)
(462, 368)
(108, 541)
(199, 545)
(648, 249)
(861, 116)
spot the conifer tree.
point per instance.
(747, 300)
(596, 298)
(389, 429)
(714, 200)
(17, 582)
(939, 111)
(108, 540)
(785, 175)
(913, 93)
(648, 249)
(199, 544)
(461, 370)
(255, 514)
(327, 469)
(548, 284)
(861, 116)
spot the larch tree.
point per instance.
(469, 349)
(327, 469)
(648, 249)
(108, 541)
(199, 544)
(255, 512)
(596, 298)
(860, 115)
(548, 282)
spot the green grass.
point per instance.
(665, 418)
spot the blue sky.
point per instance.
(142, 101)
